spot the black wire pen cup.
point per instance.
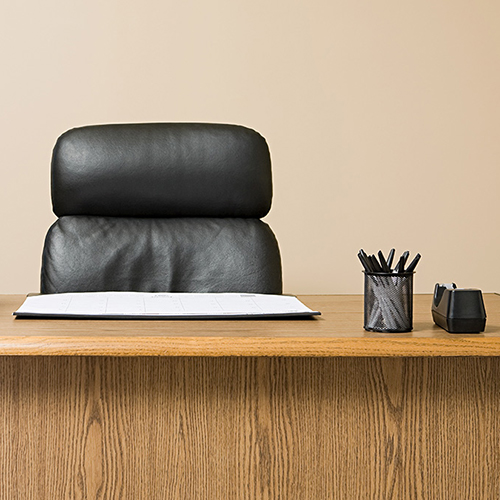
(388, 302)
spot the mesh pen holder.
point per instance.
(388, 302)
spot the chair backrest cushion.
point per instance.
(162, 170)
(91, 253)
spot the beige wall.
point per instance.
(383, 119)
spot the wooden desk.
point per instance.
(296, 409)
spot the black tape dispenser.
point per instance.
(458, 310)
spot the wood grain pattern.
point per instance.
(338, 332)
(249, 428)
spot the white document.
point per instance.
(162, 305)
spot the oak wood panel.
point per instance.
(338, 332)
(249, 428)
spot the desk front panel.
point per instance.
(245, 428)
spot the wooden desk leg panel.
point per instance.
(249, 428)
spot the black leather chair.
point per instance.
(161, 207)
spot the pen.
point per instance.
(390, 258)
(375, 264)
(400, 265)
(362, 252)
(405, 258)
(364, 262)
(383, 263)
(413, 263)
(367, 261)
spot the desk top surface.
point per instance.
(338, 332)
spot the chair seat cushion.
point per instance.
(92, 253)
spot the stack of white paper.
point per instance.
(162, 305)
